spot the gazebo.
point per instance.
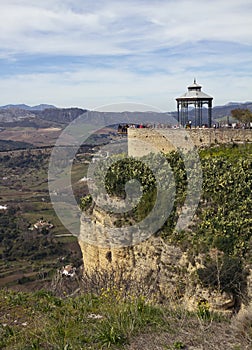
(197, 98)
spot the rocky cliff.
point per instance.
(184, 275)
(165, 268)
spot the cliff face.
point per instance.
(163, 267)
(147, 258)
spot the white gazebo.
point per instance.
(196, 98)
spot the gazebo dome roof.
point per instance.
(194, 86)
(194, 93)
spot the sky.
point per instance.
(90, 53)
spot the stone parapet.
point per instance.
(144, 141)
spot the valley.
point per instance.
(35, 248)
(24, 191)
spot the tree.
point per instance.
(242, 115)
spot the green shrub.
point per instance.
(86, 202)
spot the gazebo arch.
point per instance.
(197, 98)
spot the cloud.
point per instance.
(88, 53)
(89, 89)
(119, 27)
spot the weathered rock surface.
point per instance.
(153, 262)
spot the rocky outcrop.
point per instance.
(160, 266)
(146, 257)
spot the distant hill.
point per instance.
(223, 111)
(113, 118)
(60, 115)
(109, 118)
(25, 107)
(13, 116)
(44, 115)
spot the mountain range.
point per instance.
(45, 115)
(25, 107)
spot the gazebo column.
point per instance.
(200, 113)
(178, 104)
(186, 118)
(195, 114)
(210, 114)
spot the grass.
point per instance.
(110, 319)
(242, 324)
(43, 321)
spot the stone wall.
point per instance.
(144, 141)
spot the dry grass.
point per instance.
(242, 324)
(118, 314)
(193, 336)
(37, 137)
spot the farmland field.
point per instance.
(24, 190)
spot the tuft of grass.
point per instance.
(178, 345)
(125, 318)
(203, 311)
(242, 323)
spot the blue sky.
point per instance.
(90, 53)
